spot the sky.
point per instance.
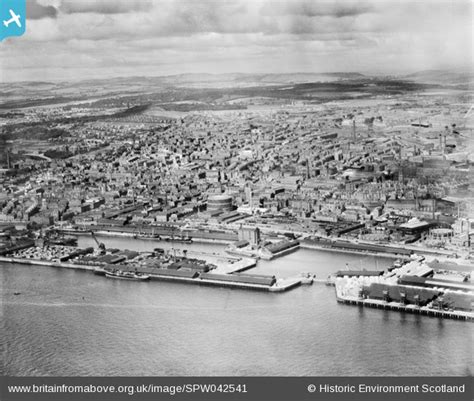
(82, 39)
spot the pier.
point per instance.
(226, 275)
(394, 306)
(226, 264)
(49, 263)
(285, 284)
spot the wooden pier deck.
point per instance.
(394, 306)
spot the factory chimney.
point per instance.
(446, 132)
(400, 168)
(8, 160)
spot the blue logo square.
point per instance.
(12, 18)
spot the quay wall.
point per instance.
(267, 255)
(196, 236)
(200, 281)
(351, 251)
(49, 263)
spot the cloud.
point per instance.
(35, 10)
(54, 3)
(306, 8)
(105, 6)
(100, 38)
(125, 20)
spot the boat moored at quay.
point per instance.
(126, 275)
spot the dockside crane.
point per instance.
(100, 245)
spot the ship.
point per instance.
(56, 238)
(100, 271)
(65, 241)
(187, 240)
(147, 236)
(126, 275)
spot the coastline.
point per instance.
(38, 262)
(334, 246)
(145, 238)
(352, 251)
(280, 285)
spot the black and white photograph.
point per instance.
(239, 189)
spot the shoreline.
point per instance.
(361, 252)
(335, 247)
(118, 234)
(48, 263)
(279, 286)
(389, 251)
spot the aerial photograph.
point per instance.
(237, 188)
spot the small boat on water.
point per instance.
(147, 236)
(100, 271)
(126, 275)
(307, 278)
(331, 280)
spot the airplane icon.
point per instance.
(15, 18)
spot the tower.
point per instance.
(400, 167)
(248, 196)
(8, 160)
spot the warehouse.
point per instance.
(431, 282)
(359, 273)
(241, 278)
(399, 293)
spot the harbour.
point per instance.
(192, 266)
(299, 332)
(175, 234)
(260, 192)
(180, 266)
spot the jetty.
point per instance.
(412, 287)
(395, 306)
(228, 272)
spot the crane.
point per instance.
(100, 245)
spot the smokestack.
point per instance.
(443, 139)
(400, 169)
(354, 129)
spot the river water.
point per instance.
(69, 323)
